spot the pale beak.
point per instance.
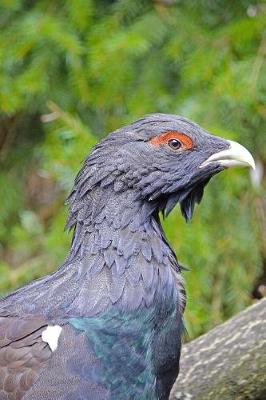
(235, 155)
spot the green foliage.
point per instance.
(87, 67)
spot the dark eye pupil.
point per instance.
(174, 144)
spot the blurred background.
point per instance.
(72, 71)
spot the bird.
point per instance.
(108, 323)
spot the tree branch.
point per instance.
(227, 363)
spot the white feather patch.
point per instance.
(51, 335)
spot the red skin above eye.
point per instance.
(164, 138)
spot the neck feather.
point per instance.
(119, 258)
(122, 252)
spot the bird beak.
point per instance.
(235, 155)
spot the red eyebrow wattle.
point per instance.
(166, 136)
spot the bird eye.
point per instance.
(174, 144)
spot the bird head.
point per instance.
(164, 159)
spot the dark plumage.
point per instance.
(116, 304)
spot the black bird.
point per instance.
(107, 324)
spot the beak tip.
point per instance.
(239, 154)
